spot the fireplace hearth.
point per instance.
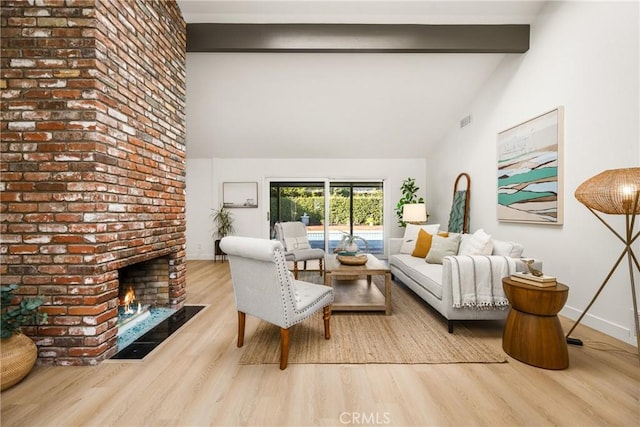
(154, 331)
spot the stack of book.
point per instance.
(528, 278)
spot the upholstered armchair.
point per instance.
(264, 288)
(294, 239)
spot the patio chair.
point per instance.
(294, 239)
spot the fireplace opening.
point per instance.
(148, 280)
(143, 298)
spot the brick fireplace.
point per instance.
(93, 161)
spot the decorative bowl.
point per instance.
(352, 259)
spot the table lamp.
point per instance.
(614, 192)
(414, 213)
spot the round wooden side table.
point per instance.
(533, 333)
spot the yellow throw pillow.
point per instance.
(423, 244)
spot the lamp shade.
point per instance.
(612, 191)
(414, 212)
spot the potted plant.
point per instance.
(349, 244)
(223, 226)
(409, 190)
(19, 353)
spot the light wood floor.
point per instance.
(194, 379)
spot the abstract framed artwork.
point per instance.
(530, 172)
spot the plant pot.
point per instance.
(218, 252)
(352, 247)
(18, 354)
(216, 245)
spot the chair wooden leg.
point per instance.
(284, 348)
(326, 315)
(321, 266)
(241, 318)
(295, 270)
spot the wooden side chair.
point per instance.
(264, 288)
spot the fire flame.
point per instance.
(127, 300)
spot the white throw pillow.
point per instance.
(442, 247)
(478, 243)
(510, 249)
(296, 243)
(517, 250)
(502, 248)
(411, 235)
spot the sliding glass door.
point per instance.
(353, 208)
(357, 208)
(299, 201)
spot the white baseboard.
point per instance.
(199, 256)
(620, 332)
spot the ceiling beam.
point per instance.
(351, 38)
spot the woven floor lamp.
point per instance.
(614, 192)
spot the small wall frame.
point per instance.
(240, 194)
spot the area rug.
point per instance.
(413, 334)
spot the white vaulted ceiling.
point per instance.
(335, 105)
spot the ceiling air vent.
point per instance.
(465, 121)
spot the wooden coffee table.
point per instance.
(354, 294)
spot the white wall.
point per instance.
(583, 56)
(205, 178)
(200, 202)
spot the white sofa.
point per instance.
(433, 281)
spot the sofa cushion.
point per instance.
(428, 276)
(411, 235)
(442, 247)
(478, 243)
(510, 249)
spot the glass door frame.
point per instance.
(267, 202)
(266, 195)
(360, 181)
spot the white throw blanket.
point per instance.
(477, 280)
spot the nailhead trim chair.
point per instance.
(264, 288)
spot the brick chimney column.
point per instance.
(93, 160)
